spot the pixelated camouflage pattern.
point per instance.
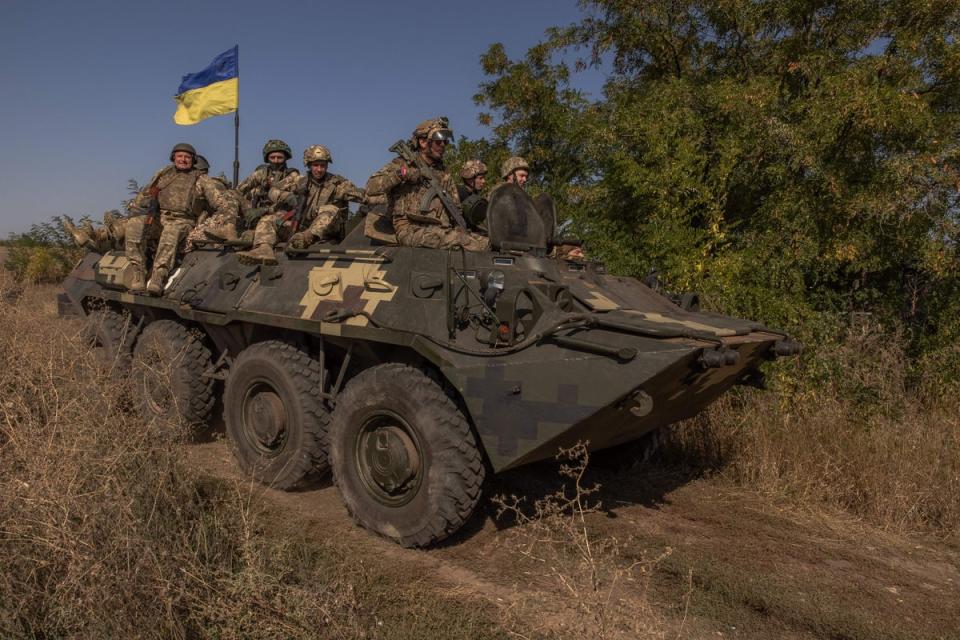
(524, 402)
(316, 153)
(317, 196)
(209, 218)
(255, 187)
(178, 191)
(276, 145)
(512, 164)
(472, 168)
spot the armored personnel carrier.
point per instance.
(414, 373)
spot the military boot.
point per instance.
(157, 280)
(300, 240)
(261, 254)
(222, 232)
(80, 236)
(139, 280)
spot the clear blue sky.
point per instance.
(87, 86)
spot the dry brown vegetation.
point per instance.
(856, 435)
(604, 587)
(106, 531)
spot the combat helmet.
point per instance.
(472, 168)
(433, 129)
(183, 146)
(201, 163)
(511, 165)
(276, 145)
(316, 153)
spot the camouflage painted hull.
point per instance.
(551, 353)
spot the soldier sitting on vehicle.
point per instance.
(167, 207)
(211, 224)
(515, 170)
(317, 202)
(420, 195)
(474, 205)
(255, 188)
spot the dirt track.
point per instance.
(756, 570)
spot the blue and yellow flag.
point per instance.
(211, 92)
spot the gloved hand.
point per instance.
(291, 201)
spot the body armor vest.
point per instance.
(272, 178)
(177, 189)
(317, 194)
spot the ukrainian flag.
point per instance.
(211, 92)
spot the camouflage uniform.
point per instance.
(414, 226)
(322, 203)
(209, 218)
(256, 187)
(472, 202)
(177, 193)
(324, 212)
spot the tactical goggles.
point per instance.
(441, 134)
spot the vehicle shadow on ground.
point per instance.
(622, 478)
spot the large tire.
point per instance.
(172, 368)
(276, 418)
(110, 334)
(403, 456)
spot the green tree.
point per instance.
(794, 160)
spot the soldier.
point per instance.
(168, 212)
(255, 188)
(515, 170)
(474, 205)
(210, 224)
(320, 197)
(415, 200)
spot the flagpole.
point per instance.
(236, 147)
(236, 130)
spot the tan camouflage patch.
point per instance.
(597, 300)
(689, 324)
(359, 286)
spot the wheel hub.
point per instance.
(266, 417)
(391, 462)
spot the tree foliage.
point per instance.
(794, 160)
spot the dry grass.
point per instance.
(603, 593)
(106, 531)
(859, 436)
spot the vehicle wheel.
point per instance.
(403, 455)
(276, 419)
(111, 335)
(171, 365)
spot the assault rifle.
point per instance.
(402, 149)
